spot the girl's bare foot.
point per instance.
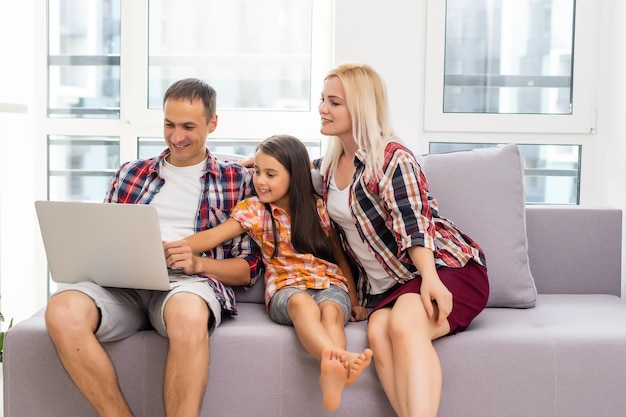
(333, 378)
(356, 363)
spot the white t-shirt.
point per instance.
(339, 209)
(179, 199)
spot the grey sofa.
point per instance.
(553, 346)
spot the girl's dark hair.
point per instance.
(307, 235)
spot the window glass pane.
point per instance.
(149, 147)
(256, 54)
(505, 56)
(84, 58)
(551, 172)
(80, 167)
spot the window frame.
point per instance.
(137, 120)
(232, 124)
(581, 120)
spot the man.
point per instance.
(192, 191)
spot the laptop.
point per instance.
(113, 245)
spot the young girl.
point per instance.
(308, 281)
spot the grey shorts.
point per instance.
(125, 311)
(278, 302)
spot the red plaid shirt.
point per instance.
(225, 184)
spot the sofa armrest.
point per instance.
(575, 250)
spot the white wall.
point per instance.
(611, 112)
(390, 36)
(23, 290)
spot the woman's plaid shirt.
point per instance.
(397, 212)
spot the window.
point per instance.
(256, 54)
(551, 172)
(80, 167)
(110, 61)
(84, 58)
(509, 66)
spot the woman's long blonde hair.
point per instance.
(366, 98)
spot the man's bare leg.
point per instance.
(71, 320)
(187, 366)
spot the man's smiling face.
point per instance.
(185, 130)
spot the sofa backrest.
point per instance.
(482, 192)
(574, 249)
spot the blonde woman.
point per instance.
(421, 275)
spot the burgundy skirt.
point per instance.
(469, 287)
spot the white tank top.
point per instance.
(339, 210)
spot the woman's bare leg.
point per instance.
(410, 371)
(380, 341)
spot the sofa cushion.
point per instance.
(482, 192)
(254, 294)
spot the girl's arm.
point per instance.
(215, 236)
(181, 254)
(358, 312)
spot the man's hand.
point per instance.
(178, 255)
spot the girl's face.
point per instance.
(271, 180)
(336, 119)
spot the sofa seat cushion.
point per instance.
(548, 353)
(508, 360)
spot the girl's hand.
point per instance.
(359, 313)
(437, 299)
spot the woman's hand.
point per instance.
(359, 313)
(437, 299)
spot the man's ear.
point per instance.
(213, 123)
